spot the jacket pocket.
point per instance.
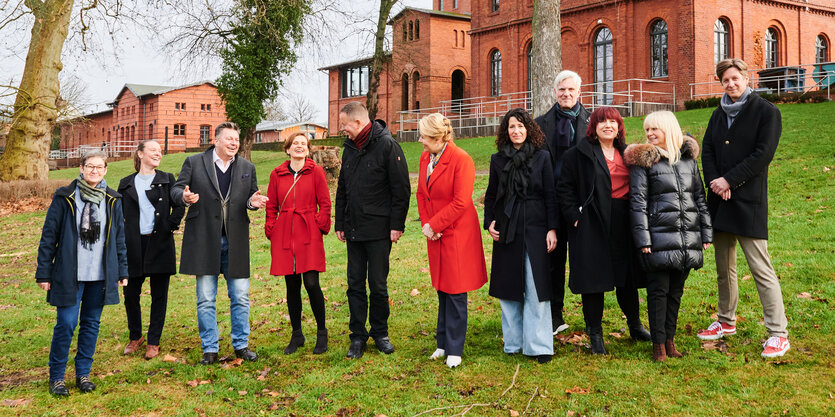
(376, 210)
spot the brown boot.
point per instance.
(670, 347)
(658, 352)
(133, 345)
(152, 351)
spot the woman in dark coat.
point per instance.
(453, 236)
(82, 261)
(593, 193)
(298, 215)
(670, 221)
(150, 218)
(520, 212)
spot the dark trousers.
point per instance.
(593, 308)
(368, 261)
(558, 258)
(159, 303)
(294, 298)
(452, 322)
(664, 290)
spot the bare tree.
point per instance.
(300, 109)
(379, 56)
(274, 111)
(546, 59)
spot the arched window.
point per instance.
(530, 61)
(494, 5)
(603, 73)
(404, 99)
(415, 95)
(455, 31)
(411, 30)
(658, 42)
(772, 46)
(821, 50)
(417, 28)
(496, 73)
(721, 40)
(405, 32)
(462, 38)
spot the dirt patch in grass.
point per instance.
(26, 205)
(22, 377)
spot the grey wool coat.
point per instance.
(200, 253)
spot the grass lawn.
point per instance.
(725, 379)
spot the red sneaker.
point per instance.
(775, 346)
(717, 330)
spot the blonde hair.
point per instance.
(437, 127)
(667, 122)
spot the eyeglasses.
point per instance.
(92, 168)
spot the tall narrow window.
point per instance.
(205, 132)
(772, 46)
(405, 32)
(417, 28)
(658, 46)
(494, 5)
(721, 40)
(415, 80)
(821, 50)
(441, 5)
(454, 4)
(496, 73)
(603, 73)
(411, 30)
(455, 32)
(530, 61)
(404, 87)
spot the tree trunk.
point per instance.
(371, 101)
(546, 59)
(36, 107)
(247, 138)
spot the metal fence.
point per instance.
(789, 79)
(114, 149)
(479, 116)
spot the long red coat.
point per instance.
(297, 220)
(456, 260)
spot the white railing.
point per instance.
(479, 116)
(114, 149)
(795, 79)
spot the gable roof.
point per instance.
(358, 61)
(279, 125)
(431, 12)
(141, 90)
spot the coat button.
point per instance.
(156, 214)
(727, 142)
(160, 199)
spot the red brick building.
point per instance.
(181, 117)
(626, 51)
(267, 132)
(348, 82)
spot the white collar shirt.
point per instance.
(219, 162)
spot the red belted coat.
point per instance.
(297, 217)
(445, 201)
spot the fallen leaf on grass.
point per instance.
(241, 392)
(719, 345)
(169, 358)
(424, 270)
(16, 403)
(573, 338)
(746, 278)
(825, 169)
(514, 413)
(804, 295)
(616, 335)
(148, 381)
(414, 292)
(576, 390)
(262, 375)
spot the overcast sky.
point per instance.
(141, 62)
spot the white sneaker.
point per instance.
(452, 361)
(775, 346)
(439, 353)
(560, 328)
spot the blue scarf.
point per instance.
(565, 125)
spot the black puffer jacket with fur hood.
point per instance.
(668, 211)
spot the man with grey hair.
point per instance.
(564, 125)
(219, 188)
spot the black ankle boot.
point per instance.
(638, 332)
(296, 341)
(321, 342)
(596, 341)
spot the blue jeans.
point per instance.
(90, 302)
(238, 289)
(526, 326)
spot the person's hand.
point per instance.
(721, 187)
(493, 232)
(123, 282)
(551, 240)
(436, 236)
(726, 195)
(44, 286)
(427, 231)
(340, 235)
(190, 197)
(257, 200)
(646, 250)
(705, 245)
(395, 235)
(575, 223)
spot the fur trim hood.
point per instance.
(646, 155)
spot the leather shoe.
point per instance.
(152, 351)
(246, 354)
(58, 388)
(384, 345)
(133, 345)
(543, 359)
(639, 333)
(209, 358)
(356, 349)
(84, 384)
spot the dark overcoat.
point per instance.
(585, 195)
(160, 256)
(539, 215)
(741, 154)
(373, 191)
(58, 249)
(200, 254)
(298, 214)
(667, 204)
(548, 123)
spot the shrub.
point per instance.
(23, 189)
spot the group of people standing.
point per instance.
(563, 186)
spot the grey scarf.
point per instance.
(90, 227)
(731, 108)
